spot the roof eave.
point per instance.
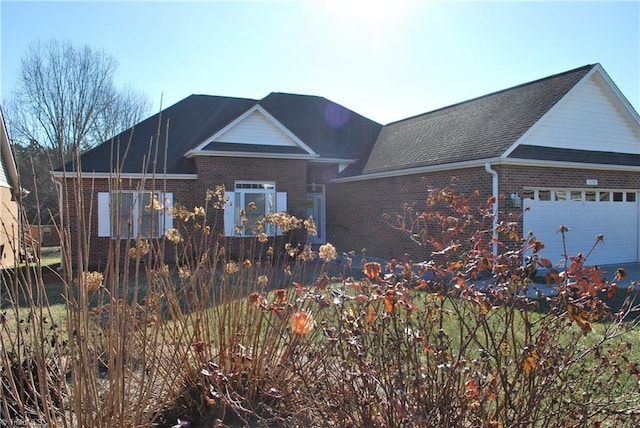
(496, 161)
(213, 153)
(115, 174)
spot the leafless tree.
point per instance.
(66, 98)
(66, 102)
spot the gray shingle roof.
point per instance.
(331, 130)
(480, 128)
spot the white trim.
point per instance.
(9, 161)
(417, 170)
(480, 164)
(71, 174)
(620, 100)
(334, 160)
(496, 197)
(243, 116)
(209, 153)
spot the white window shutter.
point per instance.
(168, 219)
(281, 206)
(229, 213)
(104, 215)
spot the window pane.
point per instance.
(605, 196)
(544, 195)
(590, 196)
(123, 204)
(561, 195)
(631, 197)
(254, 207)
(576, 196)
(148, 216)
(617, 196)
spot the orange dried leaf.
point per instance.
(620, 274)
(455, 266)
(438, 246)
(372, 315)
(504, 347)
(388, 305)
(530, 363)
(280, 295)
(545, 263)
(302, 323)
(372, 270)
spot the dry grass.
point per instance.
(281, 337)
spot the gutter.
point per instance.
(494, 226)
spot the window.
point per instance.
(132, 214)
(605, 196)
(590, 196)
(561, 195)
(576, 196)
(544, 195)
(631, 197)
(617, 196)
(250, 202)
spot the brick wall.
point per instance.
(83, 226)
(513, 179)
(355, 209)
(289, 175)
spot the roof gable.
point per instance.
(480, 128)
(180, 127)
(591, 118)
(256, 132)
(296, 125)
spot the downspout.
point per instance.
(494, 226)
(58, 184)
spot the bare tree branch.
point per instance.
(66, 102)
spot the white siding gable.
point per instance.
(256, 129)
(586, 119)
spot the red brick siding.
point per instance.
(183, 191)
(513, 179)
(289, 175)
(354, 210)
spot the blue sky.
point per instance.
(386, 60)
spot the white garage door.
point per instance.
(587, 213)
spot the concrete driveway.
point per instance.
(632, 269)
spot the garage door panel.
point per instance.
(617, 221)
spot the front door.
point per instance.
(315, 209)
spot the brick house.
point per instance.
(564, 149)
(567, 146)
(277, 153)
